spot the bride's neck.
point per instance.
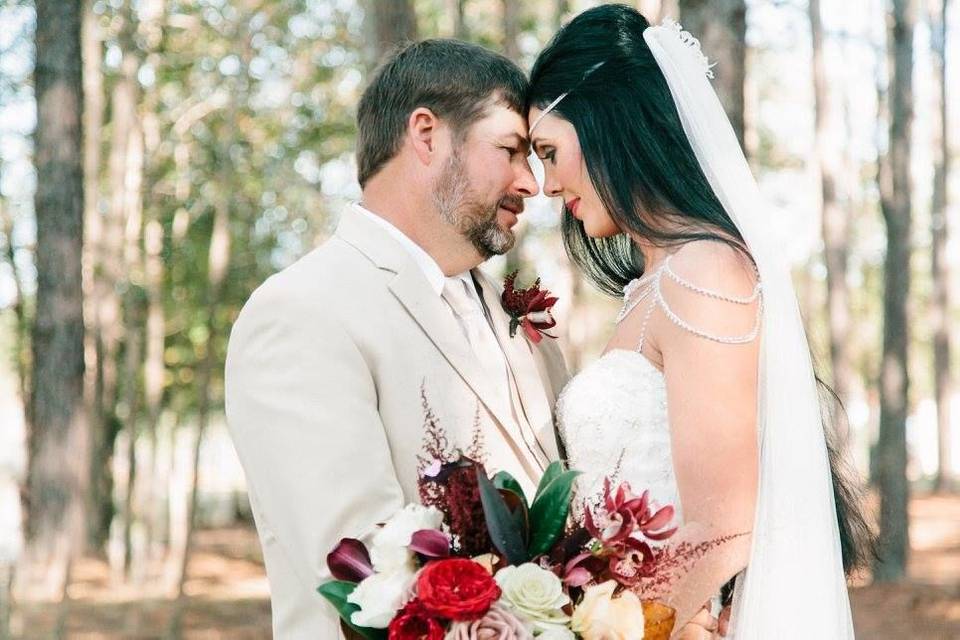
(652, 254)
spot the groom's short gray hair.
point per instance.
(454, 79)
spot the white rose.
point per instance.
(388, 551)
(601, 616)
(380, 596)
(553, 632)
(534, 592)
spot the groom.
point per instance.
(328, 358)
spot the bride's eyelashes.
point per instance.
(550, 154)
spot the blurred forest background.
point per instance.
(160, 158)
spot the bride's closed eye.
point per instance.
(548, 153)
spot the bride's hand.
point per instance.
(702, 626)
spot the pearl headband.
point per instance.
(557, 100)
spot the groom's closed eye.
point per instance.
(515, 144)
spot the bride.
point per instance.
(706, 394)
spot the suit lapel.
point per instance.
(429, 311)
(527, 366)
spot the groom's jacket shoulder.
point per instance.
(328, 277)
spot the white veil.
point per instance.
(794, 585)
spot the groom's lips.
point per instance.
(515, 209)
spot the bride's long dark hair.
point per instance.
(647, 176)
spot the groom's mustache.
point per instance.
(512, 203)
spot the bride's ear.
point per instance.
(424, 131)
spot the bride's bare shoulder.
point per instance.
(711, 290)
(715, 265)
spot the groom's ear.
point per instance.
(426, 134)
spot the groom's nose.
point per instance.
(525, 183)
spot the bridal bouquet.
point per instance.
(475, 560)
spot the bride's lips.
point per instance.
(572, 206)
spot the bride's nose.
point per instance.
(551, 188)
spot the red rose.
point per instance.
(456, 589)
(414, 623)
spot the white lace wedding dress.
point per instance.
(612, 416)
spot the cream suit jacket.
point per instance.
(324, 373)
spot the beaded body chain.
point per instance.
(648, 286)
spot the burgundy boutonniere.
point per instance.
(528, 308)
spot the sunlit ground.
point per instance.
(929, 606)
(229, 596)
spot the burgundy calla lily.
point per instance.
(350, 561)
(430, 543)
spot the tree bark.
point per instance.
(218, 261)
(939, 231)
(511, 28)
(58, 436)
(393, 22)
(92, 124)
(133, 324)
(721, 27)
(561, 9)
(834, 214)
(124, 129)
(153, 370)
(460, 29)
(21, 329)
(895, 191)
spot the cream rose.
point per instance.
(533, 592)
(553, 632)
(380, 596)
(600, 616)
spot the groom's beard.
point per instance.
(465, 211)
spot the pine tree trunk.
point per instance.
(92, 125)
(133, 304)
(21, 329)
(393, 22)
(6, 600)
(511, 28)
(124, 125)
(943, 381)
(152, 14)
(459, 10)
(218, 261)
(132, 400)
(58, 436)
(895, 194)
(834, 216)
(721, 27)
(153, 373)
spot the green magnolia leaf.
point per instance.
(554, 470)
(337, 591)
(519, 511)
(504, 480)
(503, 526)
(548, 514)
